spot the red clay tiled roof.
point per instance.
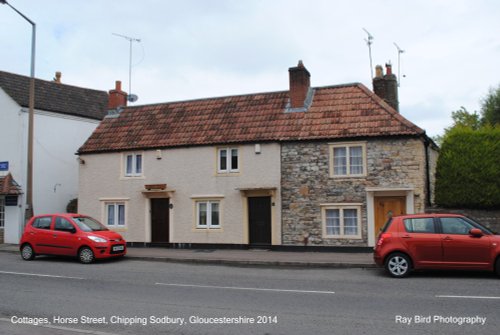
(8, 186)
(337, 112)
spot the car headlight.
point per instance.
(97, 239)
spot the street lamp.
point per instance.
(31, 104)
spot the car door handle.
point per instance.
(406, 236)
(447, 238)
(54, 235)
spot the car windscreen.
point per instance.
(86, 223)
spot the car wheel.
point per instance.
(27, 252)
(86, 255)
(398, 265)
(497, 266)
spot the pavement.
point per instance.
(251, 257)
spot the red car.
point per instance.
(70, 235)
(436, 241)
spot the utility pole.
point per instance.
(31, 105)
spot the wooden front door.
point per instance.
(387, 207)
(160, 220)
(259, 221)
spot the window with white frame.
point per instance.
(228, 160)
(133, 165)
(2, 212)
(115, 214)
(208, 214)
(348, 160)
(342, 221)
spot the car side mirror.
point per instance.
(72, 230)
(476, 232)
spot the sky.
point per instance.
(193, 49)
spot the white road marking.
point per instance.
(246, 288)
(465, 297)
(81, 331)
(39, 275)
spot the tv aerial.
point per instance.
(400, 51)
(369, 42)
(130, 97)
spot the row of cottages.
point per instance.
(64, 117)
(322, 166)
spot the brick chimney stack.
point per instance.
(299, 85)
(117, 97)
(386, 86)
(391, 87)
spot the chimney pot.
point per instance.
(388, 67)
(57, 78)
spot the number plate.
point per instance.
(118, 248)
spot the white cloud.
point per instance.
(195, 48)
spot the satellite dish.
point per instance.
(132, 98)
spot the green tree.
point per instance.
(468, 173)
(462, 118)
(490, 108)
(488, 116)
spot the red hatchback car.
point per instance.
(70, 235)
(436, 241)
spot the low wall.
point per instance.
(488, 218)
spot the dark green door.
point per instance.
(259, 220)
(160, 220)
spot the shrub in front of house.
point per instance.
(468, 169)
(72, 206)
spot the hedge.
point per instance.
(72, 206)
(468, 169)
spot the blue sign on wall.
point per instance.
(4, 166)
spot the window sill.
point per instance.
(132, 177)
(228, 174)
(349, 176)
(343, 237)
(211, 229)
(117, 229)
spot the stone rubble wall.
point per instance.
(306, 184)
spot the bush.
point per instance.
(468, 169)
(72, 206)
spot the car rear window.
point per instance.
(420, 225)
(43, 222)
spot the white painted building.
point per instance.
(65, 116)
